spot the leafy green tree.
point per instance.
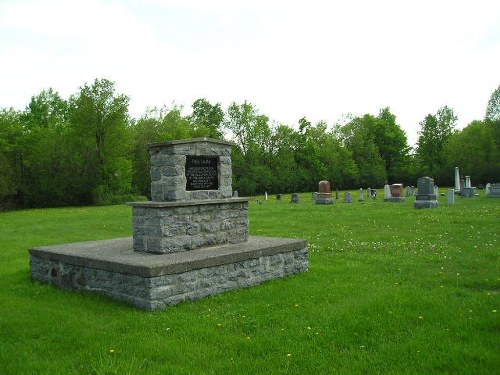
(433, 134)
(392, 145)
(251, 132)
(46, 164)
(476, 151)
(99, 119)
(11, 132)
(207, 119)
(359, 138)
(493, 107)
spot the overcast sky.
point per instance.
(318, 59)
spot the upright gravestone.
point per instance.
(387, 193)
(487, 189)
(425, 196)
(279, 197)
(436, 190)
(451, 196)
(295, 198)
(396, 191)
(190, 242)
(468, 191)
(347, 197)
(457, 180)
(494, 190)
(361, 195)
(337, 194)
(324, 195)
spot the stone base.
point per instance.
(395, 199)
(156, 281)
(468, 192)
(426, 204)
(169, 227)
(324, 201)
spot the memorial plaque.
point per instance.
(202, 173)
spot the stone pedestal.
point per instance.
(425, 196)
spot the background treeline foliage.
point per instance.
(88, 150)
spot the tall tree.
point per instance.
(392, 144)
(207, 119)
(434, 131)
(493, 107)
(99, 117)
(359, 138)
(476, 151)
(11, 132)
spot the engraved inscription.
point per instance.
(202, 173)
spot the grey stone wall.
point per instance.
(159, 292)
(168, 160)
(167, 228)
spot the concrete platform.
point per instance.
(156, 281)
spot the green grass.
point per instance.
(390, 290)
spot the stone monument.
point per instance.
(295, 198)
(493, 190)
(468, 191)
(387, 193)
(324, 195)
(425, 196)
(451, 196)
(347, 197)
(189, 242)
(396, 193)
(457, 181)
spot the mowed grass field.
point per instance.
(390, 290)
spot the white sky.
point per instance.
(318, 59)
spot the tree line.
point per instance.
(88, 150)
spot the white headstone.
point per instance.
(451, 196)
(488, 186)
(457, 179)
(266, 195)
(436, 190)
(467, 182)
(387, 192)
(361, 194)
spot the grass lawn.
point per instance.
(390, 290)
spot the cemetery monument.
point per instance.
(426, 198)
(324, 194)
(189, 242)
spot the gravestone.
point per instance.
(324, 195)
(451, 196)
(279, 197)
(190, 242)
(436, 190)
(487, 189)
(468, 191)
(457, 181)
(235, 194)
(425, 196)
(337, 194)
(347, 197)
(387, 193)
(494, 190)
(295, 198)
(396, 193)
(361, 195)
(467, 182)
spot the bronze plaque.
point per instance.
(202, 173)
